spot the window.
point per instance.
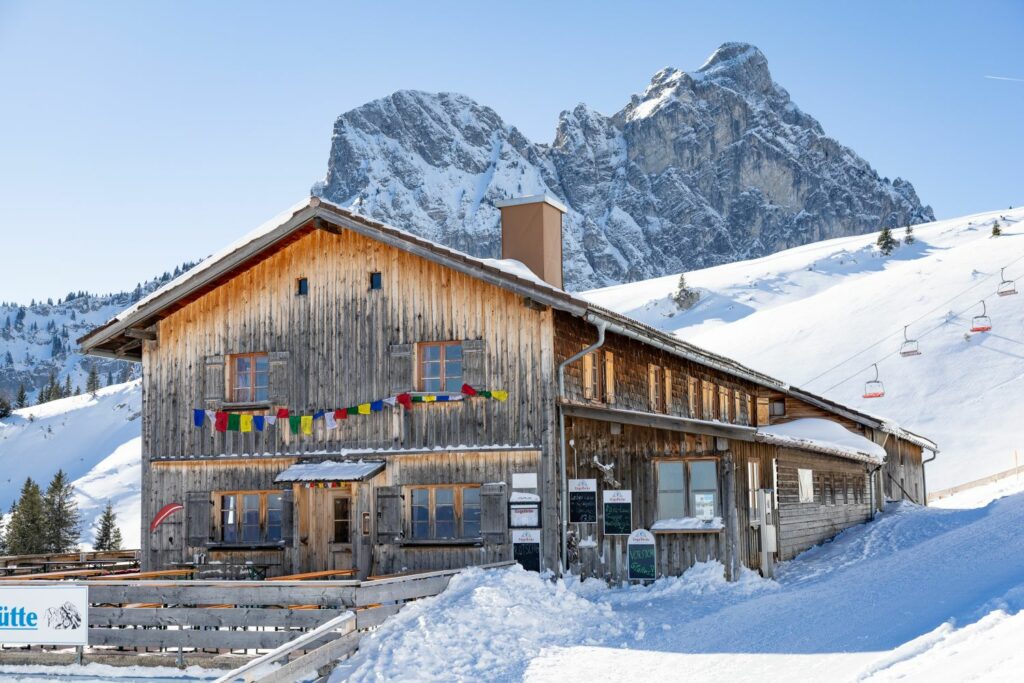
(376, 282)
(723, 404)
(302, 286)
(445, 512)
(708, 400)
(342, 520)
(249, 377)
(599, 376)
(805, 482)
(441, 366)
(753, 484)
(691, 397)
(251, 517)
(687, 488)
(655, 388)
(777, 408)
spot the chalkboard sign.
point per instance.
(642, 557)
(618, 513)
(583, 501)
(526, 548)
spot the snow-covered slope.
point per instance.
(819, 316)
(95, 440)
(946, 588)
(702, 167)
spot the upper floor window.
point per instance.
(656, 388)
(777, 408)
(302, 286)
(251, 517)
(445, 512)
(723, 404)
(599, 376)
(249, 377)
(692, 396)
(440, 366)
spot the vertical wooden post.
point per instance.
(730, 518)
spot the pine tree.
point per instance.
(108, 536)
(908, 237)
(684, 297)
(63, 521)
(110, 378)
(21, 400)
(886, 242)
(5, 407)
(124, 374)
(26, 532)
(92, 382)
(67, 387)
(996, 229)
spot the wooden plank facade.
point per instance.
(330, 310)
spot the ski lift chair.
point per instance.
(874, 388)
(1006, 287)
(981, 323)
(909, 347)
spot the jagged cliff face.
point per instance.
(703, 168)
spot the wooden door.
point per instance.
(340, 529)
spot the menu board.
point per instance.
(642, 557)
(583, 501)
(618, 513)
(526, 548)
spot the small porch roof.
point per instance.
(331, 470)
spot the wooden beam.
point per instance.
(660, 421)
(148, 334)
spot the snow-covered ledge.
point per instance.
(688, 525)
(822, 436)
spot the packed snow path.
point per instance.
(896, 596)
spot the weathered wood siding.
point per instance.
(763, 455)
(902, 477)
(342, 345)
(803, 525)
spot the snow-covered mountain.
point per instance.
(819, 316)
(703, 168)
(38, 338)
(95, 439)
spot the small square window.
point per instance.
(375, 281)
(302, 286)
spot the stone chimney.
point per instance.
(531, 232)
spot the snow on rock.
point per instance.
(823, 433)
(819, 315)
(96, 441)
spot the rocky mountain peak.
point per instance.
(703, 168)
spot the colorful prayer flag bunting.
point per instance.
(258, 422)
(377, 406)
(363, 408)
(282, 413)
(198, 416)
(221, 422)
(246, 423)
(405, 400)
(468, 390)
(234, 422)
(307, 424)
(293, 422)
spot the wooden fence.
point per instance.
(210, 619)
(991, 479)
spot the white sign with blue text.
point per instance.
(44, 615)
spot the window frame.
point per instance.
(252, 374)
(459, 510)
(688, 491)
(599, 376)
(301, 286)
(656, 388)
(263, 514)
(442, 360)
(805, 485)
(334, 518)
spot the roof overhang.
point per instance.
(331, 470)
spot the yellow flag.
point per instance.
(364, 408)
(500, 394)
(429, 398)
(246, 425)
(307, 424)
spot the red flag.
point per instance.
(468, 390)
(340, 414)
(164, 513)
(220, 423)
(282, 413)
(404, 400)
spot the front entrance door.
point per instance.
(340, 530)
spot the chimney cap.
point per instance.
(533, 199)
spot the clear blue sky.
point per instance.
(134, 136)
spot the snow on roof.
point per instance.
(330, 470)
(824, 436)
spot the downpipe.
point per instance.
(924, 476)
(601, 327)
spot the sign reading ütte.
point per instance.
(44, 615)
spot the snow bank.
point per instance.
(823, 434)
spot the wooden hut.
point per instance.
(332, 393)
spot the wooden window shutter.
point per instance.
(668, 390)
(389, 514)
(652, 388)
(213, 381)
(287, 514)
(400, 368)
(693, 409)
(588, 376)
(494, 513)
(762, 411)
(277, 377)
(609, 377)
(474, 364)
(198, 518)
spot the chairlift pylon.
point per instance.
(874, 388)
(909, 347)
(1006, 287)
(981, 323)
